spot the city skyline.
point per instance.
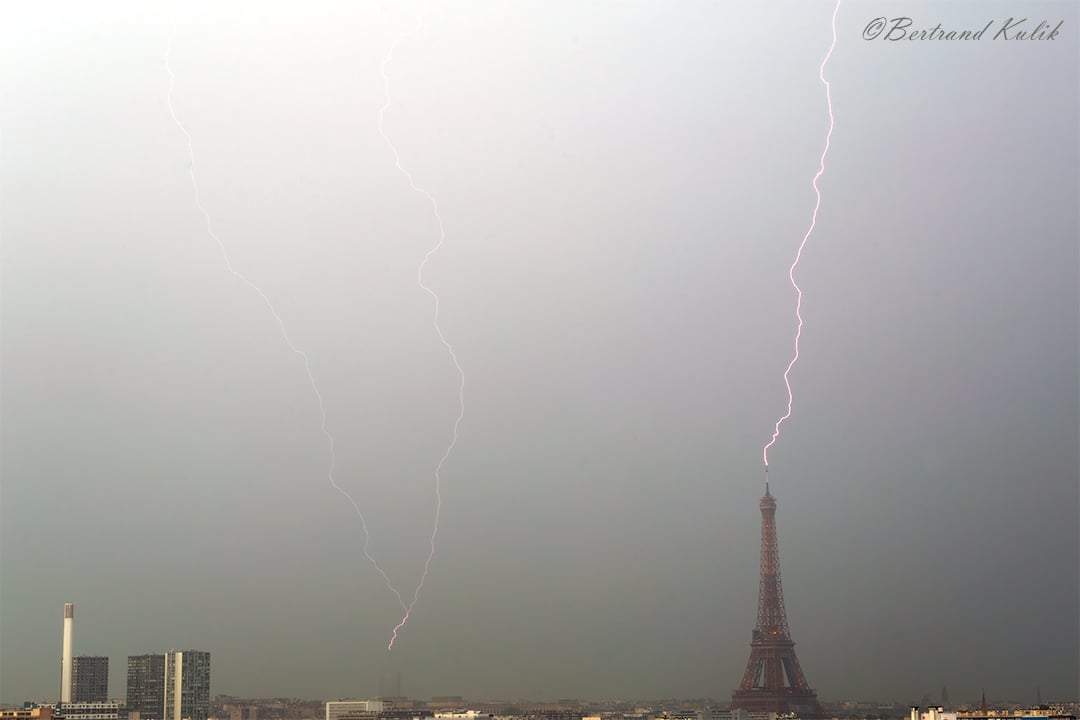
(158, 685)
(622, 188)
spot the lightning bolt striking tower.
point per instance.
(435, 321)
(798, 254)
(774, 681)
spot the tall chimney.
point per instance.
(65, 672)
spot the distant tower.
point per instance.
(390, 684)
(65, 669)
(945, 697)
(773, 682)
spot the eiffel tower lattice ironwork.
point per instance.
(773, 681)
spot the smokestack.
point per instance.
(65, 672)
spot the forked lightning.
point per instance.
(280, 322)
(435, 320)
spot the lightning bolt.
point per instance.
(435, 321)
(798, 255)
(280, 322)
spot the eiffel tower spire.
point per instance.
(773, 681)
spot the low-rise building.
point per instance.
(714, 714)
(1040, 713)
(87, 711)
(353, 709)
(29, 713)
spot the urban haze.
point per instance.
(623, 187)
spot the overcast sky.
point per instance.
(623, 186)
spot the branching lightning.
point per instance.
(798, 255)
(435, 320)
(280, 322)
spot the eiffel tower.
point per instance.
(773, 681)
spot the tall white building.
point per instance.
(187, 685)
(65, 668)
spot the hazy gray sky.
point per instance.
(623, 187)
